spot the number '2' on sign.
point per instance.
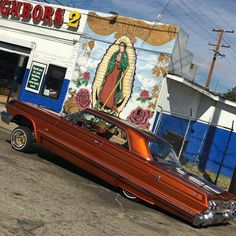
(74, 18)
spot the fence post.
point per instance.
(224, 154)
(185, 135)
(158, 120)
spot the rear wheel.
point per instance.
(21, 138)
(129, 195)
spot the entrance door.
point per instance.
(12, 68)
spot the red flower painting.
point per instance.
(86, 76)
(144, 96)
(83, 98)
(140, 117)
(83, 79)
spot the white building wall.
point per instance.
(178, 98)
(227, 115)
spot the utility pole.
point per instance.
(216, 53)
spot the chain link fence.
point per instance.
(204, 144)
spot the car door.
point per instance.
(82, 142)
(74, 143)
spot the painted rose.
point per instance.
(140, 117)
(86, 76)
(83, 79)
(144, 96)
(83, 98)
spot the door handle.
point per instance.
(158, 178)
(97, 143)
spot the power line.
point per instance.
(44, 1)
(164, 9)
(172, 13)
(192, 10)
(218, 15)
(188, 12)
(59, 2)
(204, 16)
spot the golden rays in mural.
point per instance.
(155, 35)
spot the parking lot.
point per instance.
(41, 194)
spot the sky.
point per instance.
(196, 18)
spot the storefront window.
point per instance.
(53, 82)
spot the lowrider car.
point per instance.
(140, 163)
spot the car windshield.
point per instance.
(163, 153)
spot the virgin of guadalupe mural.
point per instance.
(114, 77)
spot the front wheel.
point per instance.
(21, 138)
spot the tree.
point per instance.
(230, 95)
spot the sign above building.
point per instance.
(39, 13)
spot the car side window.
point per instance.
(101, 127)
(118, 136)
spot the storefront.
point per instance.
(13, 61)
(37, 52)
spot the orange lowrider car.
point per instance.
(140, 163)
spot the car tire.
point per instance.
(21, 138)
(129, 195)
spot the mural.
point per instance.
(120, 67)
(112, 89)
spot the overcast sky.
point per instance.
(197, 18)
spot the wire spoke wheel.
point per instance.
(21, 138)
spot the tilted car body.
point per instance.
(140, 163)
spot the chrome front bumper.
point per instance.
(214, 217)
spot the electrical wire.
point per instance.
(217, 13)
(193, 12)
(164, 9)
(59, 3)
(204, 16)
(219, 16)
(187, 26)
(191, 15)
